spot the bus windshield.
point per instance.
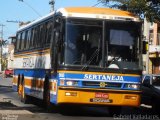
(123, 41)
(83, 44)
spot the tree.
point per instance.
(2, 43)
(143, 8)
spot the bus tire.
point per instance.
(18, 83)
(114, 110)
(155, 107)
(24, 98)
(46, 94)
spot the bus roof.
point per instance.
(96, 10)
(99, 13)
(88, 12)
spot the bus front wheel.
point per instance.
(114, 110)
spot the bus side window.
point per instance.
(40, 36)
(32, 38)
(44, 31)
(28, 39)
(37, 36)
(17, 42)
(25, 40)
(20, 42)
(45, 34)
(48, 33)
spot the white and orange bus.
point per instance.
(80, 55)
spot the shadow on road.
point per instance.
(5, 89)
(7, 105)
(11, 106)
(84, 111)
(65, 110)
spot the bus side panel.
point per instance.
(34, 81)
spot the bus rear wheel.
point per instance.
(18, 83)
(23, 97)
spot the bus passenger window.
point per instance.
(18, 41)
(25, 40)
(41, 35)
(38, 36)
(28, 39)
(48, 33)
(32, 38)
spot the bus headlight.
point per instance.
(71, 83)
(132, 86)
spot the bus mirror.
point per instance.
(145, 47)
(57, 20)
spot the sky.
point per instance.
(29, 10)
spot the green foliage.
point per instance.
(3, 60)
(143, 8)
(3, 42)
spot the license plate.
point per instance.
(101, 95)
(100, 100)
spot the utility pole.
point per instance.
(52, 2)
(1, 43)
(15, 21)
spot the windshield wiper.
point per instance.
(96, 53)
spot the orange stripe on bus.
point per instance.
(33, 83)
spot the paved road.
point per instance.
(12, 109)
(5, 81)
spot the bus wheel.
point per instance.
(114, 110)
(155, 107)
(46, 94)
(24, 98)
(18, 83)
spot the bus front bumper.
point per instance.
(98, 96)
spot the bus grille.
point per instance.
(98, 84)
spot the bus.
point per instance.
(80, 56)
